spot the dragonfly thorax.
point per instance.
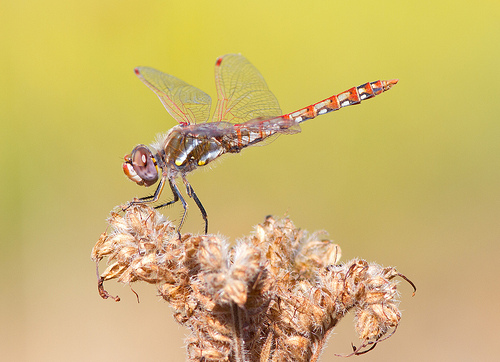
(186, 148)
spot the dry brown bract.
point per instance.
(275, 296)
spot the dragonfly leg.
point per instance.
(192, 194)
(151, 198)
(177, 197)
(175, 192)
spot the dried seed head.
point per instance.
(211, 255)
(276, 295)
(316, 254)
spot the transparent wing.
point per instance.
(242, 91)
(187, 104)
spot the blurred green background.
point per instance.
(408, 179)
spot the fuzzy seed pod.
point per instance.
(276, 295)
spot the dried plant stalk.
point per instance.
(275, 296)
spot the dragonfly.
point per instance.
(247, 113)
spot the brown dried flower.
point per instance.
(275, 296)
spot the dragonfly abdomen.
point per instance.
(351, 96)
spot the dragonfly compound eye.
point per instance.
(144, 165)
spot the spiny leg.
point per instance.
(177, 197)
(192, 194)
(151, 198)
(156, 195)
(175, 192)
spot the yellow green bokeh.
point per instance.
(410, 178)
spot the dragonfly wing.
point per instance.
(242, 92)
(187, 104)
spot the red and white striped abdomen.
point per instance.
(351, 96)
(239, 136)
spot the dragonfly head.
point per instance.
(141, 167)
